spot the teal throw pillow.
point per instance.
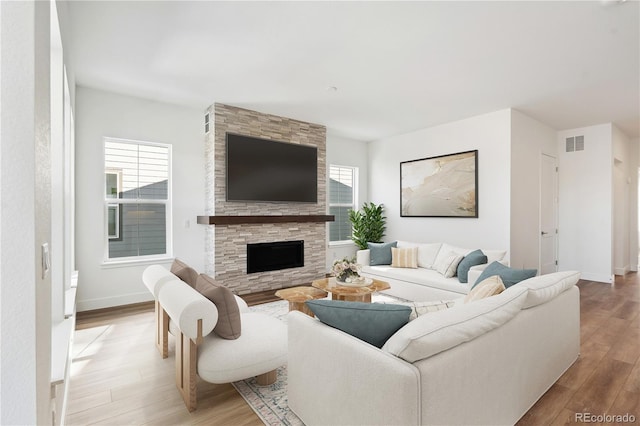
(374, 323)
(380, 253)
(474, 258)
(509, 276)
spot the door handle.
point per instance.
(543, 233)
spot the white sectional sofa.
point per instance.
(484, 362)
(424, 283)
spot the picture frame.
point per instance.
(440, 186)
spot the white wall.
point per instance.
(25, 295)
(57, 172)
(529, 140)
(62, 9)
(490, 135)
(347, 152)
(586, 200)
(102, 114)
(622, 202)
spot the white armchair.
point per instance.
(259, 351)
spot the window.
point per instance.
(342, 198)
(137, 199)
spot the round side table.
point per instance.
(296, 296)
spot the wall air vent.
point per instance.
(570, 144)
(574, 143)
(206, 123)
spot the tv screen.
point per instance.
(270, 171)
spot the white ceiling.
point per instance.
(397, 66)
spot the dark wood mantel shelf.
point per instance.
(237, 220)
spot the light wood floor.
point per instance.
(119, 378)
(606, 377)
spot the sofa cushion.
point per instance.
(420, 276)
(474, 258)
(448, 265)
(380, 253)
(427, 253)
(509, 276)
(372, 322)
(546, 287)
(261, 348)
(431, 334)
(488, 287)
(229, 325)
(185, 272)
(404, 257)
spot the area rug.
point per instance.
(270, 402)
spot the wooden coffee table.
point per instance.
(350, 294)
(296, 296)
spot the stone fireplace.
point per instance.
(226, 244)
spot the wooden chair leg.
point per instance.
(162, 331)
(186, 356)
(268, 378)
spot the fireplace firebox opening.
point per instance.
(274, 256)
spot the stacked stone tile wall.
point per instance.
(226, 252)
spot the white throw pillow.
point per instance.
(446, 249)
(448, 265)
(427, 254)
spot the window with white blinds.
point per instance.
(137, 199)
(342, 198)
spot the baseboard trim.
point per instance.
(621, 271)
(589, 276)
(114, 301)
(134, 307)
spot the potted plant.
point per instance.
(369, 224)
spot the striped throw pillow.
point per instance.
(448, 265)
(488, 287)
(404, 257)
(422, 308)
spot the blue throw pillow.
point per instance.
(372, 322)
(509, 276)
(474, 258)
(380, 253)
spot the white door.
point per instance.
(548, 215)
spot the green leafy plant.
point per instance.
(369, 224)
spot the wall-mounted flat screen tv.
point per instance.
(262, 170)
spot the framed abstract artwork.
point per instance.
(442, 186)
